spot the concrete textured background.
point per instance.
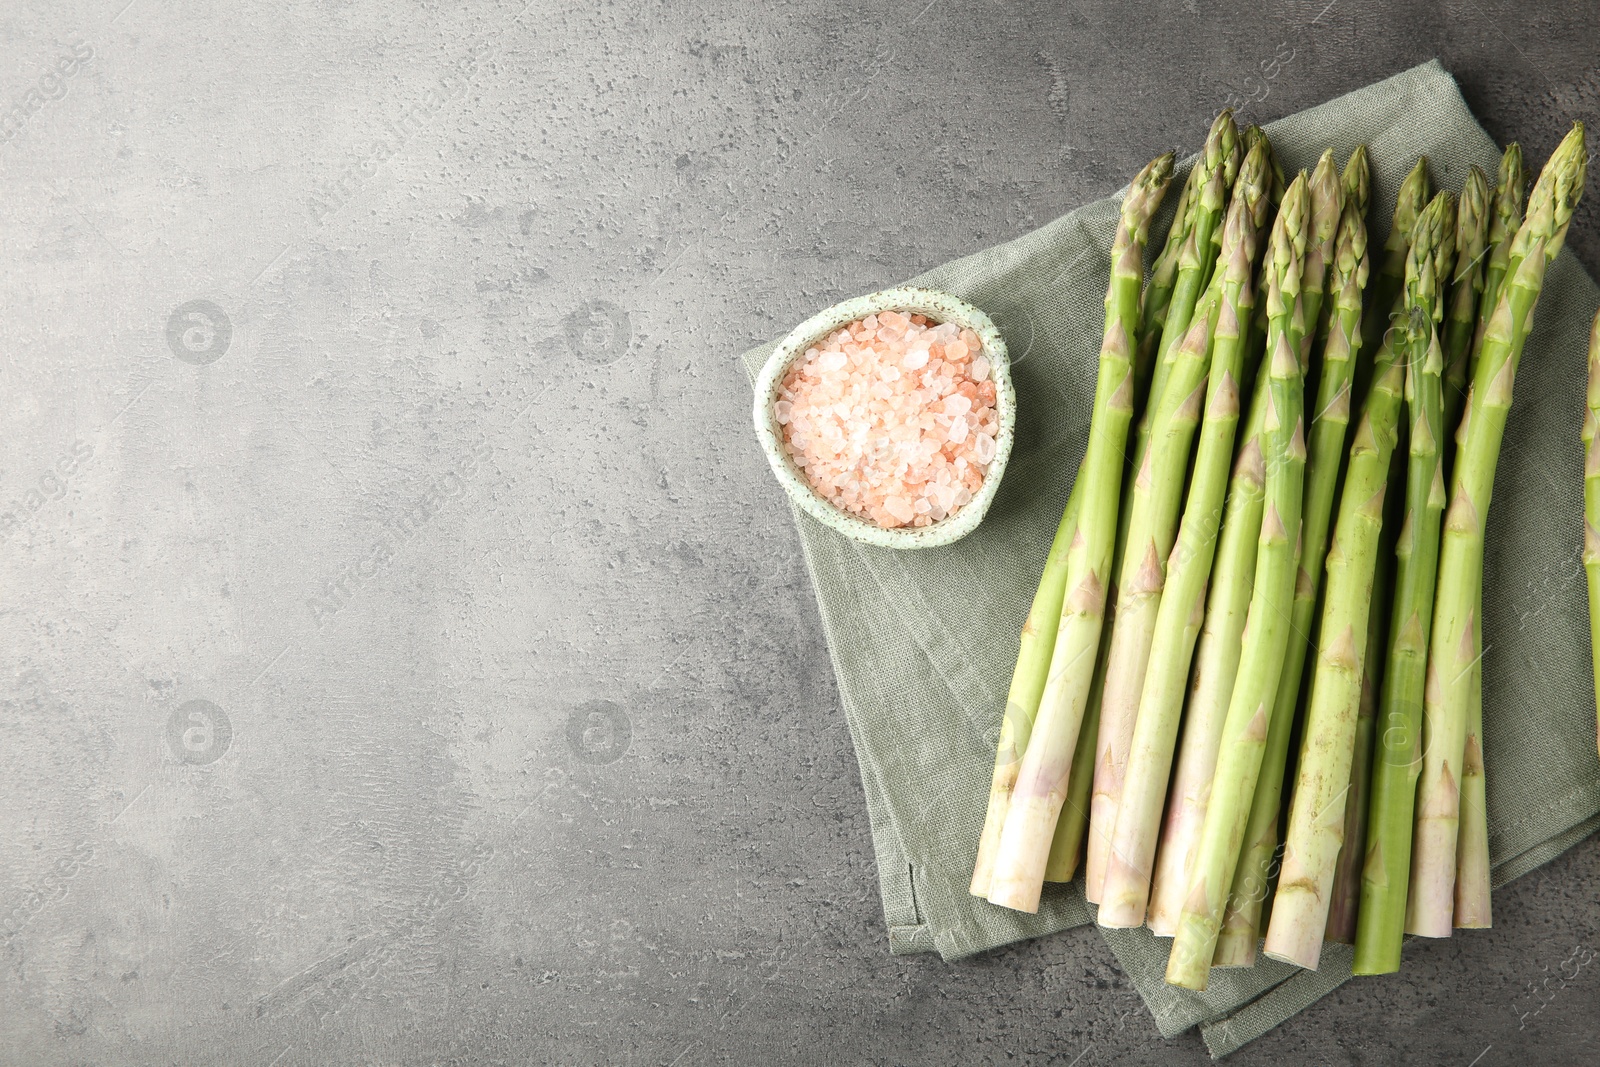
(407, 656)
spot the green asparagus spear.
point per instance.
(1047, 748)
(1039, 631)
(1390, 275)
(1028, 676)
(1345, 894)
(1504, 223)
(1182, 599)
(1472, 904)
(1267, 630)
(1163, 274)
(1455, 638)
(1158, 294)
(1279, 186)
(1256, 336)
(1155, 500)
(1356, 180)
(1162, 458)
(1145, 534)
(1216, 657)
(1472, 907)
(1072, 826)
(1195, 260)
(1329, 419)
(1027, 679)
(1466, 287)
(1327, 215)
(1384, 878)
(1216, 663)
(1316, 814)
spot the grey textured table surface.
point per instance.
(407, 657)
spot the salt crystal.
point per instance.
(891, 418)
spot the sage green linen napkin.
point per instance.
(923, 664)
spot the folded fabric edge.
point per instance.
(1152, 987)
(1278, 1004)
(1535, 856)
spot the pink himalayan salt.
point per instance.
(892, 418)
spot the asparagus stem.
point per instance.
(1279, 187)
(1218, 159)
(1416, 567)
(1356, 180)
(1472, 907)
(1266, 634)
(1066, 844)
(1148, 524)
(1504, 221)
(1236, 945)
(1163, 275)
(1356, 184)
(1027, 685)
(1466, 288)
(1036, 797)
(1028, 679)
(1317, 823)
(1216, 659)
(1390, 276)
(1591, 506)
(1157, 495)
(1216, 663)
(1181, 601)
(1455, 637)
(1472, 910)
(1327, 218)
(1345, 894)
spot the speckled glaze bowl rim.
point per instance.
(940, 307)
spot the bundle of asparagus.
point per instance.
(1162, 674)
(1454, 655)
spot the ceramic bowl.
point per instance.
(939, 307)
